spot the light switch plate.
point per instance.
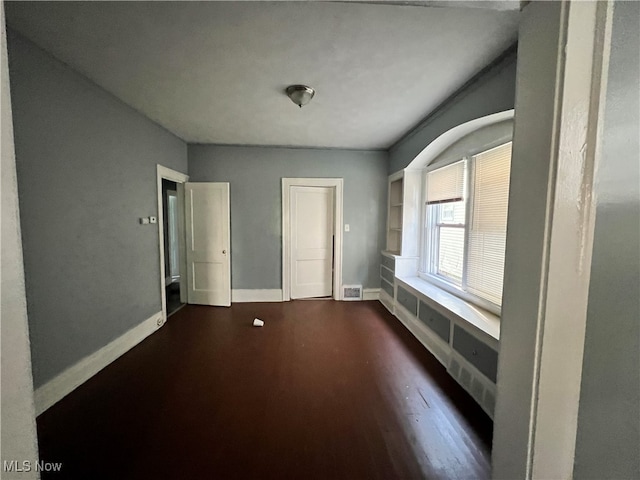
(144, 221)
(346, 227)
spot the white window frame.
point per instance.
(430, 227)
(428, 247)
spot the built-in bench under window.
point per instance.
(482, 320)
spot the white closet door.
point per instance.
(312, 223)
(208, 242)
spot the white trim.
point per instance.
(448, 138)
(387, 300)
(338, 186)
(548, 263)
(256, 295)
(70, 379)
(480, 323)
(396, 176)
(182, 244)
(370, 293)
(443, 284)
(569, 239)
(174, 176)
(406, 266)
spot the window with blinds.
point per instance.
(466, 223)
(445, 204)
(488, 229)
(446, 184)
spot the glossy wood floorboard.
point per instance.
(325, 390)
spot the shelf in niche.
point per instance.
(395, 191)
(403, 212)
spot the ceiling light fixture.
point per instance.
(300, 94)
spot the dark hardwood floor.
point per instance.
(325, 390)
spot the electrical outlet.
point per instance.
(153, 220)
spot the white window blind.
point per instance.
(488, 229)
(451, 253)
(446, 184)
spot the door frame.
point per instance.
(338, 189)
(559, 120)
(180, 178)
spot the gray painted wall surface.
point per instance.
(86, 172)
(493, 92)
(255, 174)
(608, 440)
(18, 413)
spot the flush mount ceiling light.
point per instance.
(300, 94)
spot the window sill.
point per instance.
(465, 311)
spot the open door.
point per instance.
(207, 243)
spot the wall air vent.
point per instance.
(352, 292)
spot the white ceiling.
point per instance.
(215, 72)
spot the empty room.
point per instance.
(320, 239)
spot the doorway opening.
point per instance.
(170, 216)
(171, 231)
(311, 238)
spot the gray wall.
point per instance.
(255, 175)
(491, 93)
(18, 414)
(86, 172)
(608, 440)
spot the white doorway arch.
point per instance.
(451, 136)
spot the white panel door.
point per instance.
(208, 256)
(311, 241)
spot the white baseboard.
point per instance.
(245, 296)
(370, 293)
(387, 300)
(59, 387)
